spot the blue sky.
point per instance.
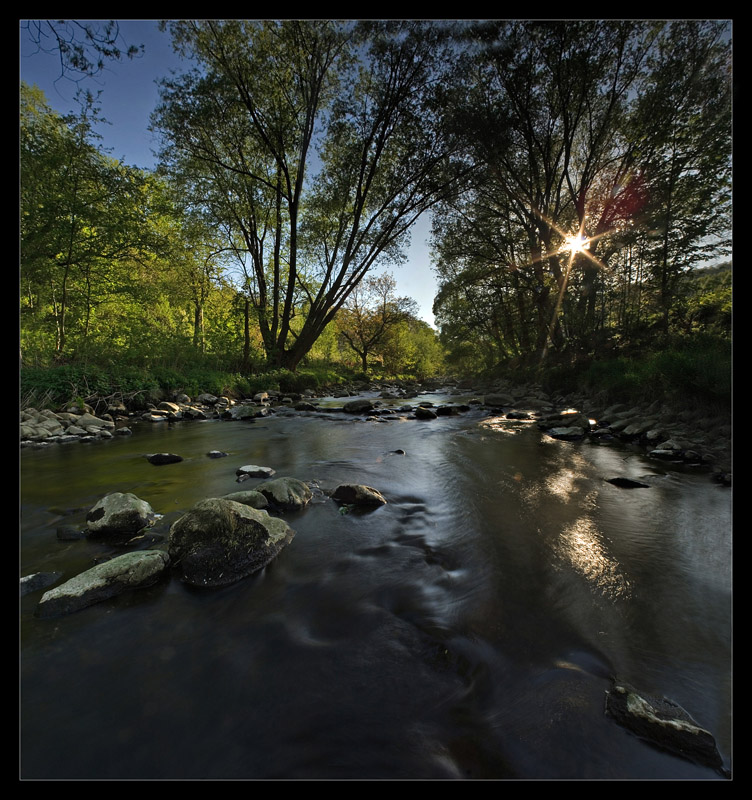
(128, 95)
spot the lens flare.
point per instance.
(577, 243)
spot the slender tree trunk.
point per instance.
(247, 335)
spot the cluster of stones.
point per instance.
(39, 428)
(218, 541)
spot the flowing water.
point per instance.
(468, 629)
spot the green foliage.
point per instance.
(698, 367)
(58, 385)
(618, 129)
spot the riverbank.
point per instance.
(667, 430)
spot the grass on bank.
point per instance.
(56, 386)
(691, 371)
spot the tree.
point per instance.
(613, 134)
(370, 313)
(83, 47)
(80, 212)
(682, 129)
(273, 99)
(111, 264)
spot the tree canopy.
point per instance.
(578, 176)
(615, 134)
(315, 145)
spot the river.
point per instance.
(467, 629)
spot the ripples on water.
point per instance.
(470, 628)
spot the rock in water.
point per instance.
(37, 581)
(163, 458)
(119, 514)
(220, 541)
(286, 494)
(359, 406)
(627, 483)
(113, 577)
(358, 495)
(665, 725)
(255, 471)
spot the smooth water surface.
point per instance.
(468, 629)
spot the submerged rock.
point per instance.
(568, 434)
(163, 458)
(220, 541)
(37, 580)
(627, 483)
(120, 574)
(664, 724)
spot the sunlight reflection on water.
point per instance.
(581, 545)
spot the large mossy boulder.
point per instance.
(220, 541)
(113, 577)
(119, 514)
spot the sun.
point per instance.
(576, 243)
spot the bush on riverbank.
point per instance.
(55, 386)
(697, 370)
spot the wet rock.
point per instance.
(664, 454)
(627, 483)
(286, 494)
(254, 471)
(358, 494)
(568, 434)
(422, 412)
(248, 498)
(163, 458)
(362, 406)
(191, 412)
(119, 514)
(37, 581)
(220, 541)
(113, 577)
(664, 724)
(245, 411)
(216, 454)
